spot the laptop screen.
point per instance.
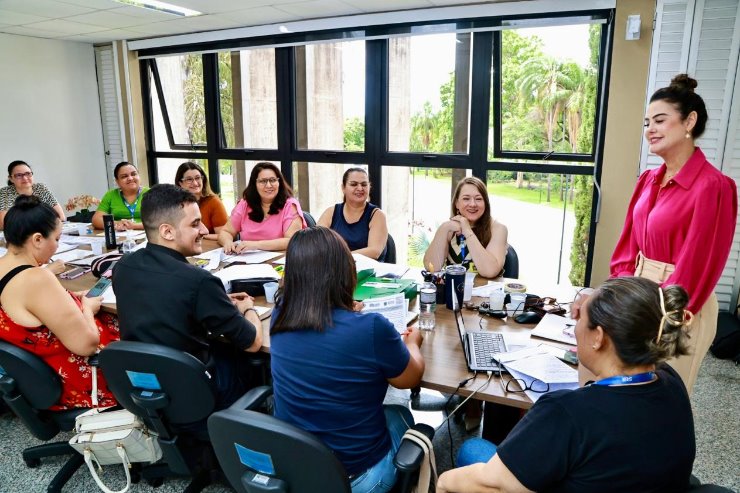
(460, 323)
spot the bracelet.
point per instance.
(245, 312)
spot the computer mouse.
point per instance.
(528, 318)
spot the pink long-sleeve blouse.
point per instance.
(689, 223)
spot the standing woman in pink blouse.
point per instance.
(681, 218)
(266, 217)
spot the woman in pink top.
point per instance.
(681, 218)
(266, 217)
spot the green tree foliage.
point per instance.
(354, 134)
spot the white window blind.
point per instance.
(110, 113)
(702, 38)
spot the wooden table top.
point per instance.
(442, 350)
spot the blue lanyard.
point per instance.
(463, 247)
(131, 207)
(627, 379)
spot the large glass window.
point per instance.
(246, 85)
(180, 121)
(419, 106)
(330, 96)
(428, 84)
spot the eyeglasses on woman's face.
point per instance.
(21, 176)
(264, 181)
(192, 179)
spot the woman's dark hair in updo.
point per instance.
(628, 309)
(28, 216)
(681, 93)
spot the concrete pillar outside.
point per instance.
(397, 187)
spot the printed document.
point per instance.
(393, 308)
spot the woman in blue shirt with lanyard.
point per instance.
(471, 237)
(123, 202)
(629, 430)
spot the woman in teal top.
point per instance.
(123, 202)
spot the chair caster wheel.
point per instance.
(32, 462)
(155, 482)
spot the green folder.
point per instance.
(376, 287)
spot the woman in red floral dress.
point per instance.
(40, 316)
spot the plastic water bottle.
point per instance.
(427, 304)
(129, 245)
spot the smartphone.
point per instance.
(74, 273)
(99, 287)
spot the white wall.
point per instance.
(50, 114)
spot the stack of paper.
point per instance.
(71, 255)
(381, 269)
(556, 328)
(538, 363)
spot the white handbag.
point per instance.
(116, 437)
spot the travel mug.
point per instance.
(454, 280)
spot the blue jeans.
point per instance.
(475, 450)
(382, 476)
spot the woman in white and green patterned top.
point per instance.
(20, 182)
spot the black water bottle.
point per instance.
(109, 226)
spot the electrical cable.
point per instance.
(450, 414)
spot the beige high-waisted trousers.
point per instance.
(701, 331)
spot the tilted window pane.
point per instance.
(182, 87)
(548, 88)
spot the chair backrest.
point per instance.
(390, 250)
(137, 369)
(511, 264)
(296, 460)
(29, 385)
(310, 221)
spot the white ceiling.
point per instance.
(97, 21)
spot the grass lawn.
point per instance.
(533, 196)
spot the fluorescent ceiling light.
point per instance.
(166, 8)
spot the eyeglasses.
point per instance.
(264, 181)
(192, 179)
(362, 184)
(517, 385)
(19, 176)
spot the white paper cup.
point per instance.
(511, 310)
(270, 290)
(468, 292)
(496, 300)
(97, 248)
(518, 300)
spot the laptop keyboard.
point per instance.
(485, 344)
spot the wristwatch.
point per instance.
(253, 309)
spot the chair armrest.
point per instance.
(253, 399)
(409, 455)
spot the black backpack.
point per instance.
(726, 343)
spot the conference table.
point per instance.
(441, 348)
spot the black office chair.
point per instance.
(511, 263)
(30, 387)
(390, 250)
(260, 453)
(172, 392)
(310, 221)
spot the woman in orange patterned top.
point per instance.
(37, 314)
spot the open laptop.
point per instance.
(478, 347)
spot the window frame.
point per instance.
(486, 42)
